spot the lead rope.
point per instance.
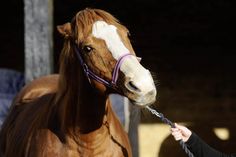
(167, 121)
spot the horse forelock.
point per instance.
(83, 21)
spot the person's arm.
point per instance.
(195, 144)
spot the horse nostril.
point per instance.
(151, 92)
(133, 87)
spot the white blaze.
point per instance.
(112, 39)
(130, 67)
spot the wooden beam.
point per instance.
(38, 38)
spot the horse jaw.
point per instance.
(138, 83)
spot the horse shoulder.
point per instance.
(44, 143)
(37, 88)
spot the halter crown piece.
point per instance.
(90, 74)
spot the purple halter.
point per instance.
(92, 75)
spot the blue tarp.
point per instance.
(118, 107)
(10, 83)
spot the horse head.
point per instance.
(102, 48)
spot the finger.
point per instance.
(176, 134)
(180, 127)
(177, 138)
(174, 129)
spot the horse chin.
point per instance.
(142, 104)
(140, 100)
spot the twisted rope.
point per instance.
(167, 121)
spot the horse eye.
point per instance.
(87, 49)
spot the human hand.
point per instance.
(181, 132)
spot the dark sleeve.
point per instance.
(200, 149)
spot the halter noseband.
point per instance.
(115, 73)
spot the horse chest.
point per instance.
(47, 144)
(100, 145)
(107, 149)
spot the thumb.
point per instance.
(180, 127)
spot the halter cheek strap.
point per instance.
(92, 75)
(117, 68)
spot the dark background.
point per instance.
(188, 44)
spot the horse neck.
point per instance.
(86, 112)
(92, 108)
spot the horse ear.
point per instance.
(65, 29)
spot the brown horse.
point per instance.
(70, 114)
